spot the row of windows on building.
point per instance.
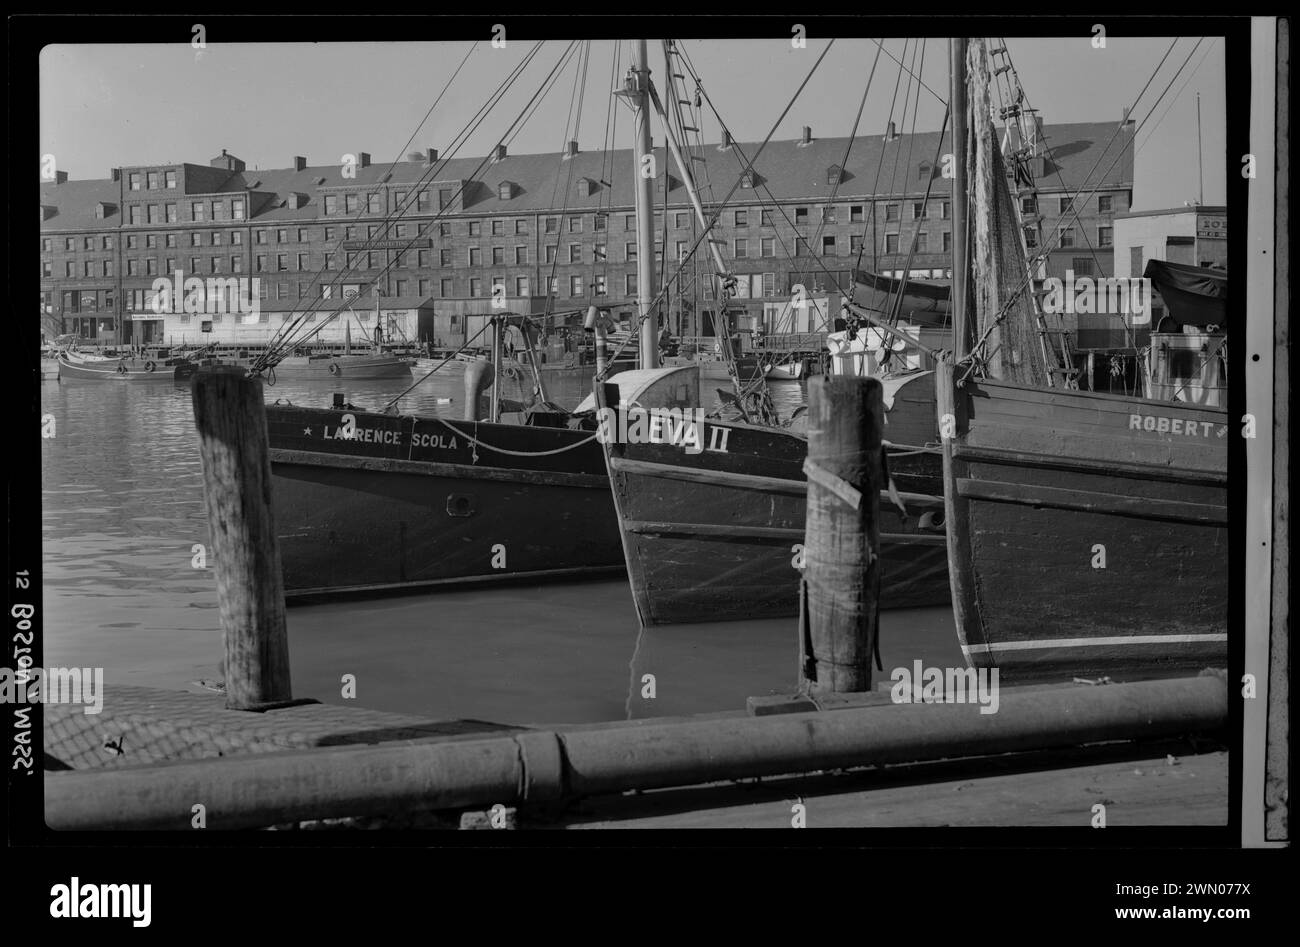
(140, 300)
(739, 248)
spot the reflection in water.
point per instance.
(123, 508)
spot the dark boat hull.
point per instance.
(712, 536)
(411, 502)
(1085, 539)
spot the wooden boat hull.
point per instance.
(351, 367)
(108, 371)
(1087, 532)
(712, 536)
(407, 503)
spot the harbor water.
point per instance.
(123, 515)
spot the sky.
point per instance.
(106, 106)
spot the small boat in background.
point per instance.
(351, 367)
(74, 366)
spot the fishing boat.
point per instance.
(76, 367)
(373, 501)
(1087, 532)
(716, 534)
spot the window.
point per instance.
(349, 203)
(681, 251)
(281, 262)
(1106, 204)
(475, 256)
(216, 264)
(1029, 205)
(575, 285)
(150, 241)
(855, 213)
(629, 222)
(1031, 238)
(521, 226)
(679, 219)
(918, 210)
(400, 287)
(765, 218)
(553, 285)
(444, 288)
(304, 235)
(259, 263)
(135, 215)
(521, 255)
(236, 264)
(498, 256)
(135, 182)
(171, 178)
(475, 228)
(153, 214)
(891, 212)
(800, 215)
(855, 243)
(741, 248)
(475, 287)
(498, 227)
(374, 203)
(331, 203)
(422, 289)
(505, 191)
(218, 210)
(216, 238)
(1067, 237)
(891, 243)
(236, 237)
(600, 284)
(422, 259)
(237, 209)
(629, 250)
(303, 263)
(372, 231)
(444, 258)
(444, 229)
(196, 239)
(598, 222)
(945, 210)
(1105, 236)
(947, 241)
(575, 225)
(282, 236)
(198, 211)
(1064, 204)
(740, 218)
(629, 284)
(107, 242)
(575, 253)
(445, 198)
(1081, 265)
(259, 236)
(922, 242)
(828, 245)
(521, 286)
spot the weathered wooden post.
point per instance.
(231, 422)
(841, 579)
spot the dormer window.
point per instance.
(834, 174)
(587, 187)
(747, 179)
(924, 172)
(506, 190)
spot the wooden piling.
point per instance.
(231, 421)
(841, 578)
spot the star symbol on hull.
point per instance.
(307, 431)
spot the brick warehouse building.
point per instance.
(535, 223)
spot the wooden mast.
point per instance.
(960, 229)
(645, 241)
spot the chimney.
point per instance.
(572, 151)
(726, 141)
(60, 177)
(116, 174)
(1127, 120)
(892, 134)
(499, 153)
(363, 159)
(299, 163)
(807, 135)
(431, 156)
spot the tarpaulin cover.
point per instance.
(1195, 295)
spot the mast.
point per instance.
(1200, 169)
(645, 241)
(957, 68)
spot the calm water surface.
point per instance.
(122, 505)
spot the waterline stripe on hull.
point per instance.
(1085, 501)
(1110, 641)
